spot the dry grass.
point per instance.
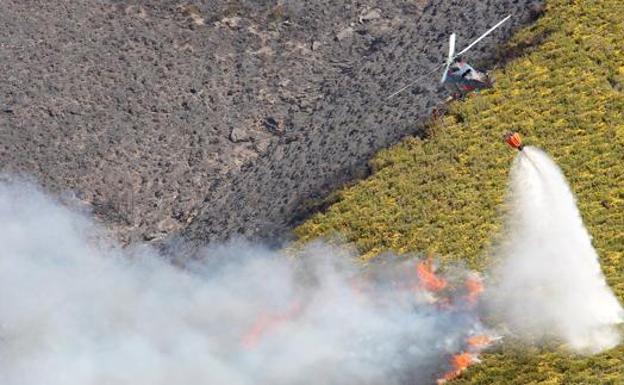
(445, 194)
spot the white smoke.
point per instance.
(549, 284)
(77, 310)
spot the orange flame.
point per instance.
(459, 362)
(265, 323)
(474, 286)
(428, 279)
(479, 341)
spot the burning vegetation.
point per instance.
(419, 283)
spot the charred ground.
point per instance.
(214, 118)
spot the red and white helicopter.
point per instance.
(458, 76)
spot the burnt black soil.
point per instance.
(214, 118)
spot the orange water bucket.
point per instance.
(513, 139)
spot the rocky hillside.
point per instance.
(213, 118)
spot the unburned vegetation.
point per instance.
(445, 194)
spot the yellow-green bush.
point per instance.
(445, 194)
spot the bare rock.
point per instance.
(370, 15)
(232, 22)
(167, 225)
(262, 146)
(193, 12)
(344, 33)
(239, 135)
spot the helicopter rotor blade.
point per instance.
(414, 81)
(483, 36)
(449, 59)
(444, 74)
(451, 53)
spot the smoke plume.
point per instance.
(77, 309)
(549, 283)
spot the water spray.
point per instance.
(549, 283)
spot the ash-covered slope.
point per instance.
(218, 117)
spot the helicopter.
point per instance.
(458, 76)
(461, 78)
